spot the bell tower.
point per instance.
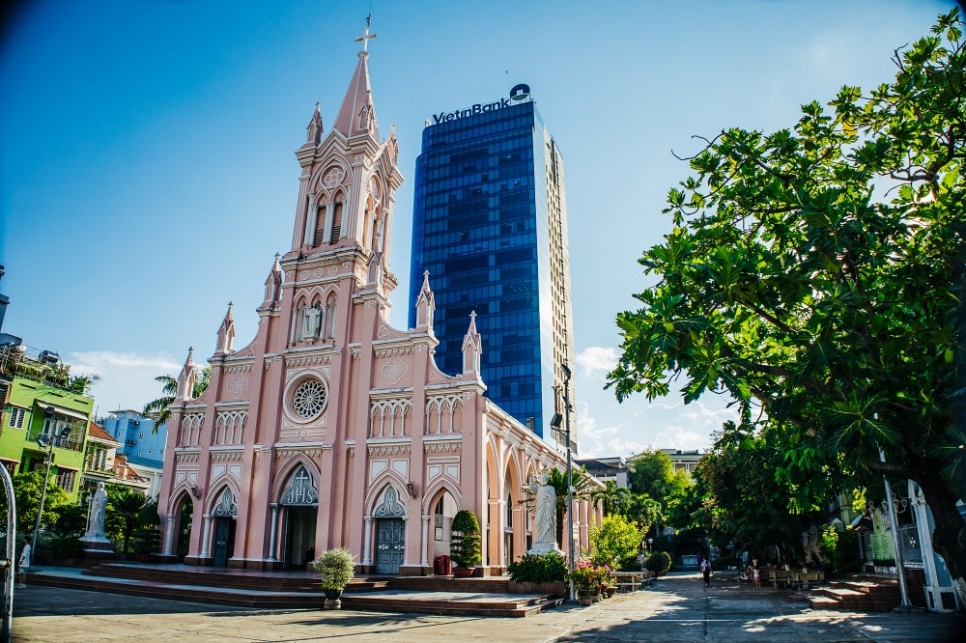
(341, 239)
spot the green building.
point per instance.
(44, 410)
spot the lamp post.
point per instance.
(570, 483)
(44, 441)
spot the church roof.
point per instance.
(358, 114)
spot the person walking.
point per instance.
(757, 573)
(23, 565)
(706, 571)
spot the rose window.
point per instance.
(309, 399)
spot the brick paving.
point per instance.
(677, 608)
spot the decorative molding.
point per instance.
(294, 361)
(443, 447)
(389, 449)
(187, 456)
(313, 452)
(395, 351)
(238, 368)
(226, 456)
(238, 384)
(394, 370)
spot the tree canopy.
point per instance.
(817, 276)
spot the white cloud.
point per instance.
(597, 358)
(126, 379)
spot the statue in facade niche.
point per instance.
(545, 514)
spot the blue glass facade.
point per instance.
(480, 227)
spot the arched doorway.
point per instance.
(390, 532)
(444, 508)
(300, 503)
(223, 544)
(183, 526)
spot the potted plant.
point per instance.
(464, 549)
(336, 567)
(588, 579)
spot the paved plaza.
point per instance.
(677, 608)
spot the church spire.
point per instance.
(273, 285)
(472, 348)
(313, 134)
(358, 114)
(226, 333)
(425, 305)
(186, 380)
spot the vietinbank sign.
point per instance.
(517, 94)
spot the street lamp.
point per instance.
(44, 441)
(570, 481)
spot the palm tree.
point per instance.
(644, 510)
(613, 499)
(128, 505)
(582, 488)
(169, 389)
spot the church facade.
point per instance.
(332, 428)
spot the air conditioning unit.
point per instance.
(49, 357)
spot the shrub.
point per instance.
(615, 540)
(588, 576)
(336, 567)
(659, 562)
(538, 568)
(64, 547)
(464, 548)
(630, 564)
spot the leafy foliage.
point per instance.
(129, 513)
(336, 567)
(27, 489)
(817, 276)
(464, 548)
(659, 562)
(538, 568)
(612, 499)
(615, 541)
(169, 390)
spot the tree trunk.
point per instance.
(949, 538)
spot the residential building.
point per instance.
(490, 228)
(332, 428)
(611, 469)
(684, 460)
(104, 463)
(46, 414)
(142, 443)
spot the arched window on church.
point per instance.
(438, 517)
(320, 216)
(336, 223)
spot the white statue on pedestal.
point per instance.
(545, 515)
(95, 518)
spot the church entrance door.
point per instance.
(224, 545)
(299, 536)
(390, 541)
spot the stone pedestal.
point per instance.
(98, 549)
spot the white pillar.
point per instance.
(273, 536)
(168, 534)
(425, 541)
(308, 238)
(206, 533)
(367, 542)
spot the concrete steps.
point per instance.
(294, 590)
(856, 595)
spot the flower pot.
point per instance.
(333, 599)
(586, 596)
(463, 572)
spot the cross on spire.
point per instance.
(366, 36)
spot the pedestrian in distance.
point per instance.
(23, 565)
(757, 574)
(706, 572)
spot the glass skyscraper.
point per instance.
(490, 226)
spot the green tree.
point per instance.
(645, 511)
(817, 275)
(612, 499)
(27, 491)
(125, 514)
(652, 472)
(464, 545)
(615, 541)
(169, 390)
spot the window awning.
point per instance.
(62, 411)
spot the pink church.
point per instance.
(332, 428)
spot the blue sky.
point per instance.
(147, 174)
